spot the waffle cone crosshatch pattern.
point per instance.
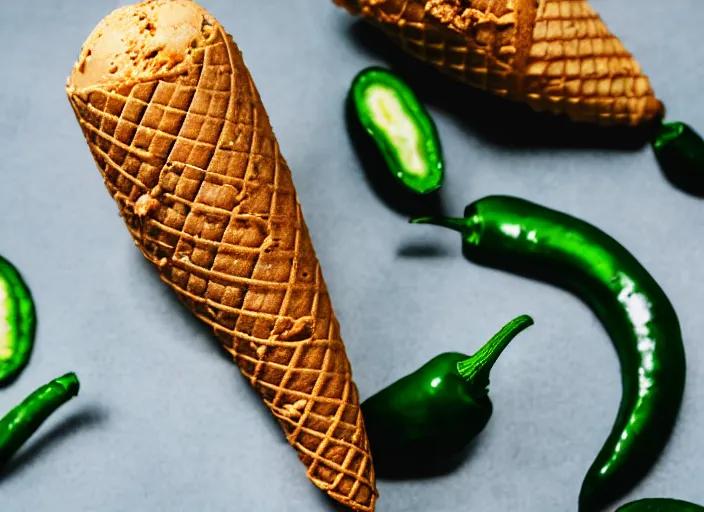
(191, 159)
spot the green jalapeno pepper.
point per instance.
(680, 152)
(400, 127)
(660, 505)
(435, 412)
(516, 235)
(25, 419)
(17, 322)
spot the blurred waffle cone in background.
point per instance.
(555, 55)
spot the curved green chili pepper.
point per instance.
(436, 411)
(516, 235)
(25, 419)
(17, 322)
(660, 505)
(680, 152)
(401, 128)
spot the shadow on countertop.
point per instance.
(197, 329)
(425, 250)
(494, 120)
(411, 469)
(410, 472)
(689, 183)
(38, 445)
(200, 331)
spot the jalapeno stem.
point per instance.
(668, 133)
(475, 370)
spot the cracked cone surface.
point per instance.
(555, 55)
(184, 144)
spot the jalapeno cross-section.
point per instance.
(17, 322)
(401, 128)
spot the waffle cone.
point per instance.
(187, 151)
(555, 55)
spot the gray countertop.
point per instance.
(165, 423)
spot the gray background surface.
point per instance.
(165, 423)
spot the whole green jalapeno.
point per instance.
(17, 322)
(433, 413)
(401, 128)
(25, 419)
(660, 505)
(523, 237)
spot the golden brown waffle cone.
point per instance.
(186, 149)
(555, 55)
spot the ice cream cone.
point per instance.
(184, 144)
(555, 55)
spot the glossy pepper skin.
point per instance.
(402, 129)
(433, 413)
(17, 322)
(680, 152)
(25, 419)
(660, 505)
(516, 235)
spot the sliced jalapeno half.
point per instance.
(401, 128)
(17, 322)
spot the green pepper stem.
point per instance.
(456, 224)
(669, 132)
(475, 370)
